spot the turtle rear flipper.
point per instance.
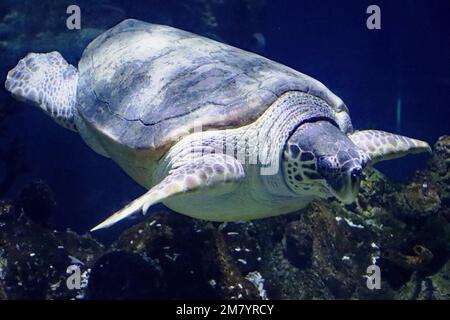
(48, 81)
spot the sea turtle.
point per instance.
(212, 131)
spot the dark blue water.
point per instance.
(407, 62)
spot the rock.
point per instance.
(201, 268)
(440, 283)
(418, 261)
(435, 236)
(34, 260)
(126, 275)
(439, 169)
(163, 237)
(242, 241)
(83, 247)
(319, 259)
(219, 266)
(36, 200)
(433, 287)
(417, 201)
(299, 244)
(440, 162)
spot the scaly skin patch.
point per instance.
(49, 82)
(380, 145)
(210, 171)
(300, 170)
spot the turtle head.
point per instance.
(321, 160)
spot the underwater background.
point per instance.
(395, 79)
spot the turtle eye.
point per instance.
(356, 175)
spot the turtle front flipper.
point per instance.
(380, 145)
(49, 82)
(217, 172)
